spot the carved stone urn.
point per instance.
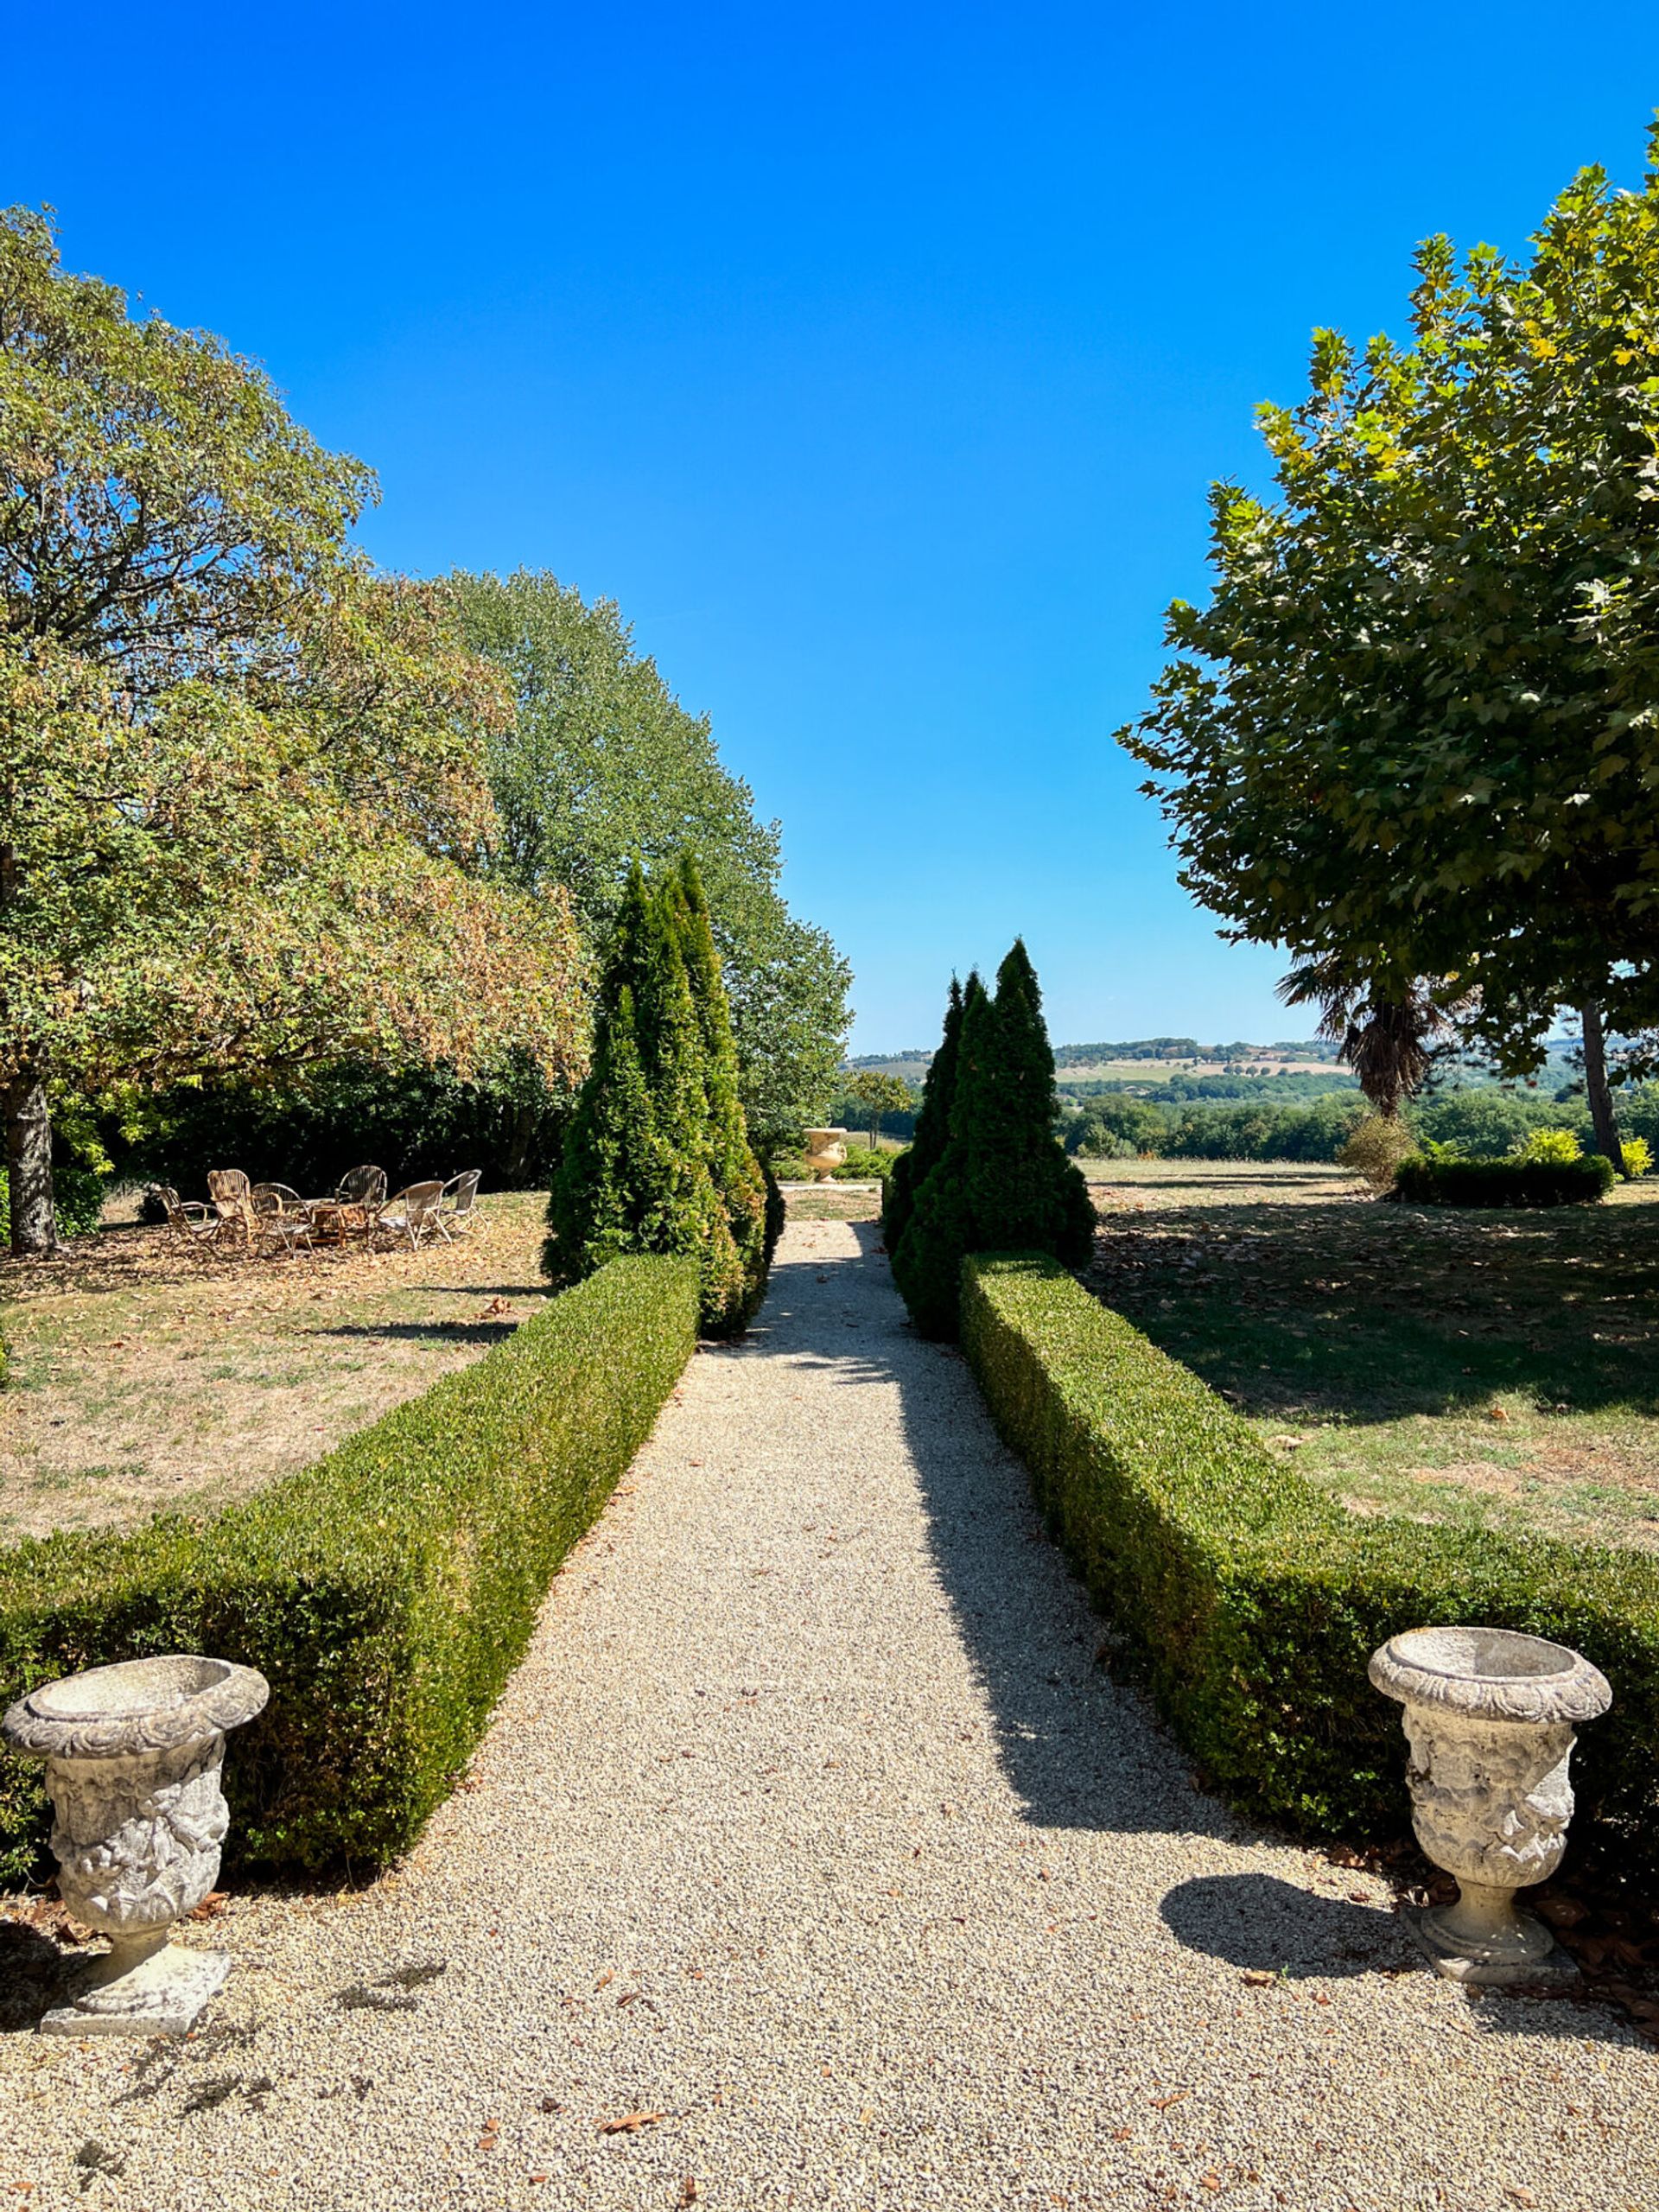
(826, 1149)
(1490, 1718)
(133, 1758)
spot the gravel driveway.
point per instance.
(812, 1859)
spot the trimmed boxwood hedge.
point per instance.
(1249, 1601)
(387, 1590)
(1504, 1182)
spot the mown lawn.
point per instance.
(145, 1377)
(1494, 1368)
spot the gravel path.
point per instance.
(811, 1828)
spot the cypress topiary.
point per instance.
(1026, 1195)
(656, 1158)
(932, 1130)
(1001, 1182)
(927, 1266)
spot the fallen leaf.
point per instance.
(211, 1906)
(1211, 2182)
(1122, 2135)
(1519, 2195)
(1163, 2104)
(1496, 1412)
(1256, 1981)
(609, 1974)
(688, 2190)
(630, 2123)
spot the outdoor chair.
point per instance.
(365, 1187)
(457, 1214)
(189, 1221)
(414, 1211)
(281, 1214)
(231, 1198)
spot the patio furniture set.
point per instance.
(273, 1216)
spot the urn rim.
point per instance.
(1492, 1673)
(134, 1705)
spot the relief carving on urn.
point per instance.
(134, 1755)
(1490, 1721)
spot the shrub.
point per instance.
(932, 1130)
(1249, 1601)
(387, 1590)
(1549, 1148)
(863, 1165)
(1638, 1157)
(1376, 1148)
(1504, 1182)
(1002, 1182)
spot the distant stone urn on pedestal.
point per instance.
(826, 1150)
(133, 1758)
(1490, 1718)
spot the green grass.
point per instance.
(1480, 1370)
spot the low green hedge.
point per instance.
(1250, 1602)
(387, 1590)
(1504, 1182)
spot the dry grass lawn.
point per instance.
(1492, 1367)
(144, 1378)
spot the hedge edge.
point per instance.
(1250, 1602)
(387, 1590)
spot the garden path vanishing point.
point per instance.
(813, 1860)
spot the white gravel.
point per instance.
(811, 1825)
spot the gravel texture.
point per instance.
(811, 1828)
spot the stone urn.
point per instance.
(826, 1149)
(133, 1756)
(1490, 1718)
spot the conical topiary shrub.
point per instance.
(932, 1130)
(1001, 1182)
(655, 1159)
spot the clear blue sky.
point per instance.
(876, 360)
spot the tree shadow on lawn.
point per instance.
(482, 1333)
(1361, 1312)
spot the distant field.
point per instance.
(1471, 1368)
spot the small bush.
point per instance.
(1504, 1182)
(387, 1590)
(1638, 1157)
(1548, 1147)
(1250, 1601)
(1376, 1149)
(863, 1165)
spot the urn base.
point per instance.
(1483, 1941)
(163, 1994)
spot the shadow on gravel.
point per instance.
(1078, 1750)
(1266, 1926)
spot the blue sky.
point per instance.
(876, 359)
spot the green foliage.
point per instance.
(878, 1096)
(1250, 1602)
(1456, 1182)
(657, 1158)
(932, 1128)
(1411, 733)
(1376, 1148)
(1549, 1146)
(1112, 1129)
(387, 1591)
(1638, 1157)
(1484, 1124)
(242, 780)
(1002, 1183)
(600, 765)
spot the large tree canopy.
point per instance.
(245, 819)
(1415, 733)
(601, 764)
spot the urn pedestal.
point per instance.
(1490, 1719)
(826, 1150)
(133, 1756)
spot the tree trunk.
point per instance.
(1596, 1087)
(28, 1162)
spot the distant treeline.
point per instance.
(1479, 1122)
(1177, 1090)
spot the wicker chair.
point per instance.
(413, 1212)
(190, 1222)
(457, 1214)
(232, 1200)
(365, 1187)
(281, 1214)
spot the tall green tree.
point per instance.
(1002, 1182)
(932, 1131)
(879, 1094)
(599, 763)
(1415, 733)
(657, 1158)
(244, 822)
